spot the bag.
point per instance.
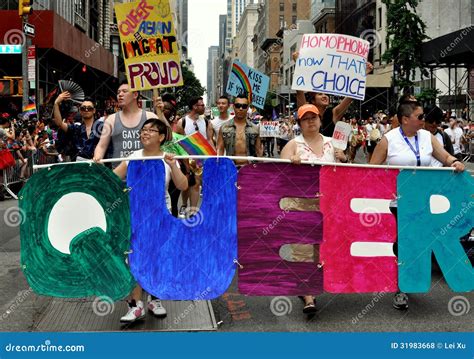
(375, 135)
(6, 159)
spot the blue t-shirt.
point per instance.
(85, 146)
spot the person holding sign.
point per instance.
(322, 102)
(411, 145)
(310, 146)
(153, 134)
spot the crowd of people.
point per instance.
(393, 139)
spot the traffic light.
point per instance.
(25, 7)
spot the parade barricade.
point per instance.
(12, 175)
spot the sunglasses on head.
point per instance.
(86, 108)
(242, 106)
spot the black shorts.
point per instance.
(371, 147)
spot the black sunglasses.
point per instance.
(86, 108)
(242, 106)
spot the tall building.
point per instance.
(275, 17)
(213, 56)
(222, 75)
(235, 8)
(245, 34)
(72, 42)
(323, 13)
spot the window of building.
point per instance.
(295, 7)
(282, 6)
(293, 19)
(282, 21)
(380, 17)
(380, 53)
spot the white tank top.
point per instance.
(190, 127)
(400, 154)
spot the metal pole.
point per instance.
(24, 63)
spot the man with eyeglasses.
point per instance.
(239, 136)
(85, 136)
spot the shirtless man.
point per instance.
(123, 127)
(240, 137)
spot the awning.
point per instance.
(455, 48)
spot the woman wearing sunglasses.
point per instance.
(411, 145)
(152, 135)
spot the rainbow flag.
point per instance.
(197, 145)
(29, 110)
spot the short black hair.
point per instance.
(170, 98)
(161, 126)
(406, 98)
(407, 108)
(433, 114)
(224, 97)
(194, 101)
(243, 95)
(89, 99)
(125, 82)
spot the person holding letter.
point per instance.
(310, 146)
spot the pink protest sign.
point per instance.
(264, 227)
(359, 230)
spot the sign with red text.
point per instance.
(333, 64)
(149, 44)
(340, 136)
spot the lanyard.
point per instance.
(417, 152)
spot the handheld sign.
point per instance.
(269, 129)
(341, 134)
(333, 64)
(149, 44)
(244, 79)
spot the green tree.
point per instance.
(192, 88)
(405, 35)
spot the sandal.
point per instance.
(309, 308)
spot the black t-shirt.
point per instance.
(327, 124)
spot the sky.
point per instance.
(203, 31)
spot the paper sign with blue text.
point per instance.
(244, 79)
(333, 64)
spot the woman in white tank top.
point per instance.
(410, 145)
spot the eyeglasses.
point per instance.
(148, 130)
(86, 108)
(242, 106)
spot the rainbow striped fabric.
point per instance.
(195, 144)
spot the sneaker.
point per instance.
(182, 212)
(400, 301)
(135, 312)
(157, 308)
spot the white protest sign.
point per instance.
(341, 134)
(269, 129)
(333, 64)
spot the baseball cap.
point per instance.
(307, 108)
